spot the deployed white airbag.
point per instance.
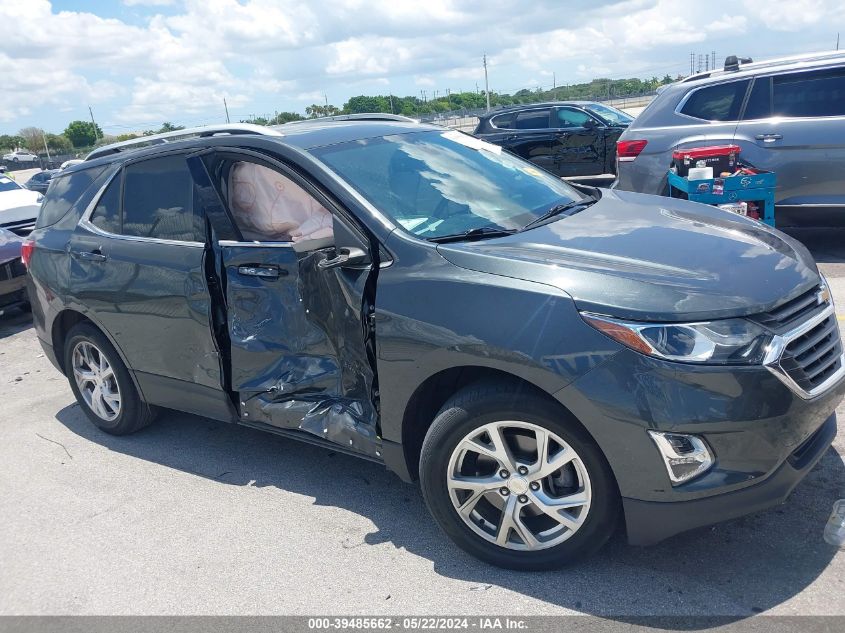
(268, 206)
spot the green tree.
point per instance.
(286, 117)
(315, 110)
(59, 143)
(363, 103)
(82, 133)
(167, 126)
(8, 142)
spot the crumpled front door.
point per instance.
(300, 345)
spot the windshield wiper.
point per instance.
(480, 232)
(567, 207)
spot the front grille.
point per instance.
(12, 269)
(792, 312)
(815, 356)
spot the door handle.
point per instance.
(768, 138)
(89, 256)
(511, 137)
(265, 272)
(346, 256)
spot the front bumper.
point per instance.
(650, 522)
(764, 437)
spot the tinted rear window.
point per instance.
(716, 103)
(812, 94)
(65, 191)
(158, 200)
(533, 120)
(503, 121)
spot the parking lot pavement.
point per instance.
(192, 516)
(22, 175)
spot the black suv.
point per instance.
(543, 358)
(569, 138)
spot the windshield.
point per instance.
(609, 114)
(436, 183)
(7, 184)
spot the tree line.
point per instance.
(82, 135)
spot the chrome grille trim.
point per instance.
(779, 345)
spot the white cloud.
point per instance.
(267, 54)
(149, 3)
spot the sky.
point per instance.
(138, 63)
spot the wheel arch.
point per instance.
(62, 325)
(432, 394)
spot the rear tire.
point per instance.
(544, 520)
(102, 384)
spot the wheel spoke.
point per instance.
(524, 532)
(499, 449)
(96, 402)
(477, 487)
(83, 375)
(506, 522)
(557, 508)
(548, 465)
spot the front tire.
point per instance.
(102, 384)
(515, 482)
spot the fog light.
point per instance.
(685, 456)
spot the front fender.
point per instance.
(451, 317)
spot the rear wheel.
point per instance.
(515, 483)
(101, 382)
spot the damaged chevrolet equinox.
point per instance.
(547, 361)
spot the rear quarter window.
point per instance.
(503, 121)
(65, 192)
(721, 102)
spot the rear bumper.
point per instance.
(649, 522)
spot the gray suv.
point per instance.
(542, 358)
(787, 115)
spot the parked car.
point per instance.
(20, 156)
(41, 180)
(569, 138)
(787, 115)
(18, 206)
(12, 273)
(542, 358)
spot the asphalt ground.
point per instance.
(193, 516)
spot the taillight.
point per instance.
(26, 251)
(629, 150)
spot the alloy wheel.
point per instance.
(519, 485)
(96, 380)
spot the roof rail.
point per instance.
(193, 132)
(357, 116)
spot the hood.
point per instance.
(19, 205)
(10, 246)
(650, 258)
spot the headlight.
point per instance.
(724, 342)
